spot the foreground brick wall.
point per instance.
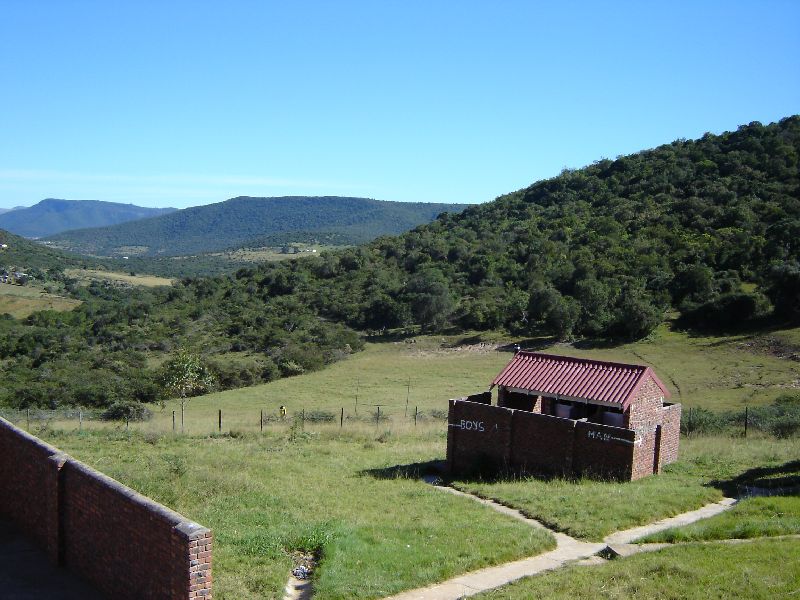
(29, 485)
(127, 545)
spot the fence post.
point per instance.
(341, 419)
(378, 417)
(173, 421)
(745, 420)
(220, 420)
(28, 415)
(416, 412)
(303, 419)
(261, 422)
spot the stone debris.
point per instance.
(301, 572)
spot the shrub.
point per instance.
(130, 411)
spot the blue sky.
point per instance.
(187, 103)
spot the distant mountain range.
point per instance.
(246, 221)
(53, 216)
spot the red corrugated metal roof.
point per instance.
(576, 378)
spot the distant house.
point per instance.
(569, 416)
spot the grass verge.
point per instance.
(750, 518)
(756, 571)
(591, 509)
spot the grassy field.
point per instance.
(588, 509)
(342, 492)
(750, 518)
(87, 275)
(760, 570)
(20, 301)
(268, 496)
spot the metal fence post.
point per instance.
(416, 412)
(173, 421)
(220, 420)
(341, 419)
(261, 422)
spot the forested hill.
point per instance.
(53, 216)
(707, 226)
(246, 221)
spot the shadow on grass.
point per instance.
(763, 481)
(409, 471)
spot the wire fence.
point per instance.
(205, 420)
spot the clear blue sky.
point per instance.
(185, 103)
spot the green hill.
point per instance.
(53, 216)
(247, 221)
(706, 227)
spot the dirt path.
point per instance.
(568, 550)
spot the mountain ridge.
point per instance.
(54, 215)
(250, 221)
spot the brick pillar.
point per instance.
(192, 559)
(53, 498)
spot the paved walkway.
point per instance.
(568, 550)
(27, 574)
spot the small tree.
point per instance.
(185, 376)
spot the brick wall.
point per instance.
(542, 443)
(127, 545)
(645, 411)
(670, 433)
(29, 490)
(480, 434)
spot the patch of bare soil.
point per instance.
(772, 346)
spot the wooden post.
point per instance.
(173, 421)
(220, 420)
(303, 419)
(416, 412)
(341, 419)
(745, 420)
(262, 420)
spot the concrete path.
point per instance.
(27, 574)
(568, 550)
(627, 536)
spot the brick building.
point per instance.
(567, 416)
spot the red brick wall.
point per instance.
(478, 436)
(670, 433)
(29, 490)
(603, 451)
(123, 542)
(541, 443)
(645, 409)
(535, 442)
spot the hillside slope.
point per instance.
(703, 226)
(254, 221)
(53, 216)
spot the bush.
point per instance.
(126, 411)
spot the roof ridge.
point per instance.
(593, 361)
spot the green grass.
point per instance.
(760, 570)
(267, 496)
(591, 509)
(750, 518)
